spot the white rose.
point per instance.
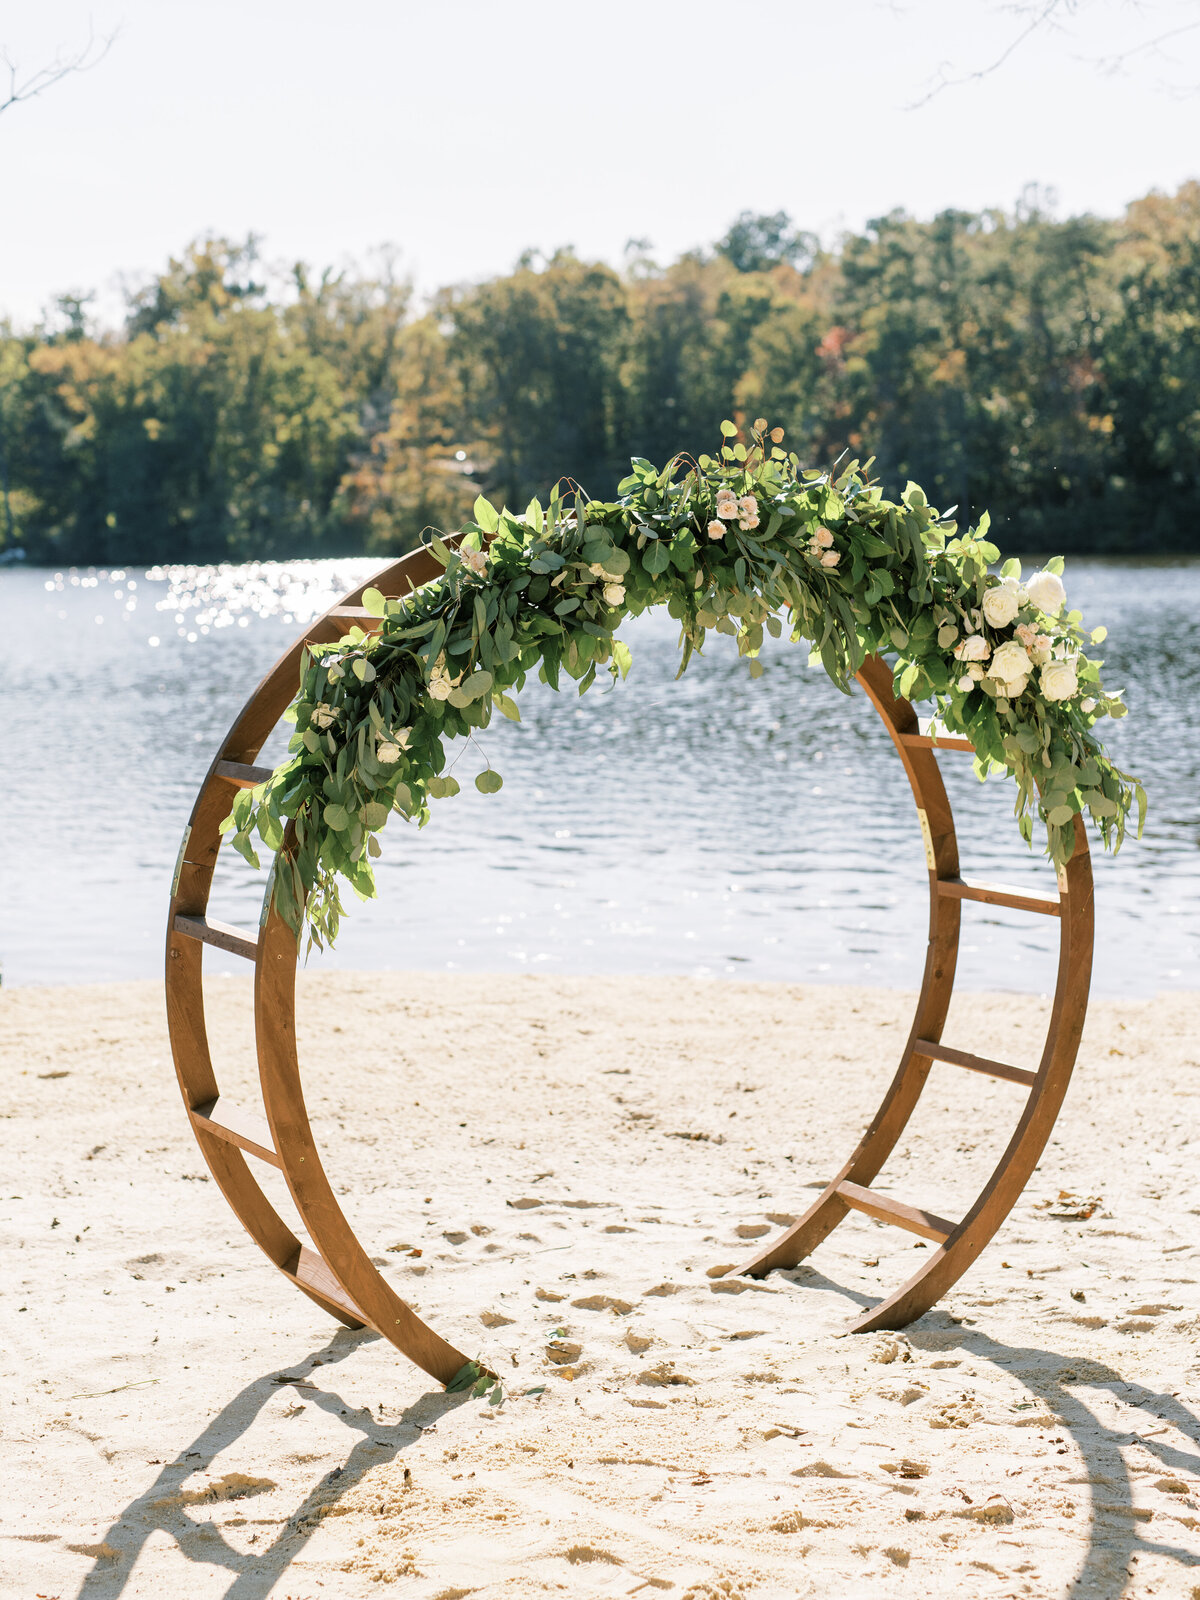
(748, 505)
(1010, 662)
(1040, 652)
(716, 530)
(1015, 687)
(747, 523)
(1087, 706)
(831, 558)
(389, 754)
(614, 593)
(822, 537)
(965, 684)
(322, 716)
(1058, 679)
(596, 570)
(973, 648)
(475, 560)
(728, 509)
(440, 686)
(1000, 606)
(1046, 592)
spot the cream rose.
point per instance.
(1046, 592)
(1087, 706)
(1000, 606)
(822, 537)
(614, 593)
(475, 560)
(716, 530)
(1059, 680)
(831, 558)
(748, 505)
(322, 716)
(1009, 663)
(973, 648)
(388, 753)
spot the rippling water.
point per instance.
(714, 826)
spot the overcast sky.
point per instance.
(466, 131)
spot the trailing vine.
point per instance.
(746, 542)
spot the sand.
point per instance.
(547, 1168)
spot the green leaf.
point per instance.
(1059, 816)
(336, 817)
(489, 782)
(373, 814)
(486, 515)
(374, 602)
(507, 707)
(729, 429)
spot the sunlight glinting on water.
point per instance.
(714, 826)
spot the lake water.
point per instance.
(716, 826)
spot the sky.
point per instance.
(466, 132)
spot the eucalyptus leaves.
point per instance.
(746, 543)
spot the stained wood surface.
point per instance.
(339, 1276)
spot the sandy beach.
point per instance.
(547, 1168)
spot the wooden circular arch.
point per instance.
(337, 1273)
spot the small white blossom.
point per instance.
(440, 681)
(822, 537)
(388, 753)
(1087, 706)
(614, 593)
(747, 523)
(965, 684)
(1046, 592)
(831, 558)
(322, 715)
(1059, 680)
(475, 560)
(748, 505)
(728, 509)
(716, 530)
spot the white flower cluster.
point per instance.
(614, 592)
(820, 547)
(440, 681)
(389, 751)
(1005, 670)
(730, 509)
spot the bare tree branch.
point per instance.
(1043, 14)
(1040, 16)
(28, 88)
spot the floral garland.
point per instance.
(745, 542)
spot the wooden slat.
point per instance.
(229, 1122)
(896, 1212)
(927, 737)
(241, 775)
(998, 894)
(310, 1272)
(963, 1058)
(209, 931)
(358, 614)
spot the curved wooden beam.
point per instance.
(339, 1275)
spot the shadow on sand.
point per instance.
(255, 1572)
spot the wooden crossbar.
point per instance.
(230, 1122)
(942, 741)
(241, 775)
(964, 1058)
(309, 1272)
(222, 935)
(998, 894)
(896, 1212)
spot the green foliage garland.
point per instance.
(737, 542)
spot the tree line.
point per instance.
(1047, 370)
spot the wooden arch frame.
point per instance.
(338, 1273)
